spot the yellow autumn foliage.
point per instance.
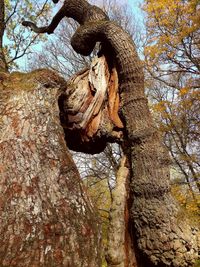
(183, 91)
(168, 22)
(172, 64)
(173, 42)
(189, 201)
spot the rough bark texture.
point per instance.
(46, 218)
(162, 237)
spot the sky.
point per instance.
(135, 5)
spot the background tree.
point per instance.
(172, 55)
(172, 46)
(15, 40)
(2, 56)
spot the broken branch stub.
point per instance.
(90, 108)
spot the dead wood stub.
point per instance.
(91, 108)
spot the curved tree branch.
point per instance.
(34, 27)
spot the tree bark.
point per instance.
(3, 65)
(46, 218)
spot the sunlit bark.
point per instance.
(46, 218)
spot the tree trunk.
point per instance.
(3, 65)
(46, 218)
(162, 238)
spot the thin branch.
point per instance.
(12, 13)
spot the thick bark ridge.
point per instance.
(46, 218)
